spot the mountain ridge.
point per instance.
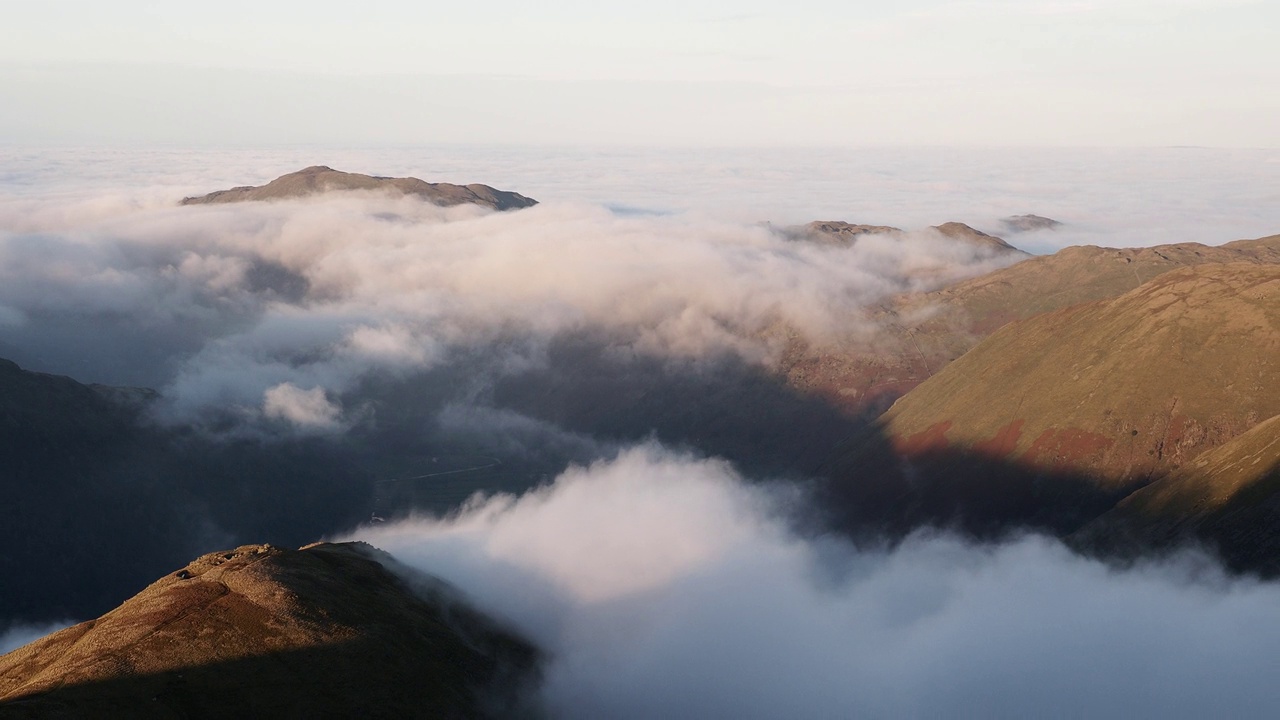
(929, 330)
(258, 631)
(319, 179)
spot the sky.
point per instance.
(1061, 73)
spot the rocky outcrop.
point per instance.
(321, 179)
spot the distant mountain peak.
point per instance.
(318, 179)
(1029, 223)
(960, 231)
(842, 233)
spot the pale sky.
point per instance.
(699, 72)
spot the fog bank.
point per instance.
(663, 586)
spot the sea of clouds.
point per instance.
(665, 585)
(661, 582)
(279, 308)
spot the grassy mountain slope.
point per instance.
(326, 631)
(927, 331)
(1053, 418)
(1228, 497)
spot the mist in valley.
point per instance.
(576, 414)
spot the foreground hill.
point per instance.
(1052, 418)
(326, 631)
(320, 179)
(927, 331)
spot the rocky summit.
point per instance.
(258, 631)
(322, 179)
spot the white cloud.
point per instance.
(232, 301)
(219, 304)
(18, 635)
(662, 586)
(309, 409)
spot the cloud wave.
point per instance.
(663, 586)
(226, 307)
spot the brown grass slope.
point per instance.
(320, 179)
(927, 331)
(326, 631)
(1228, 497)
(1070, 276)
(1125, 389)
(1052, 420)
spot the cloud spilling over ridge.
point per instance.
(663, 586)
(223, 305)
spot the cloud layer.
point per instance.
(254, 309)
(663, 586)
(423, 352)
(105, 280)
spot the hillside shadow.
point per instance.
(722, 406)
(357, 679)
(586, 396)
(875, 493)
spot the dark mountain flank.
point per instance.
(326, 631)
(930, 330)
(320, 179)
(1228, 498)
(1106, 396)
(80, 461)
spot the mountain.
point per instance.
(1228, 498)
(320, 179)
(1029, 223)
(325, 631)
(838, 232)
(85, 476)
(927, 331)
(962, 232)
(1052, 419)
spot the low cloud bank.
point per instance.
(663, 586)
(273, 311)
(19, 635)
